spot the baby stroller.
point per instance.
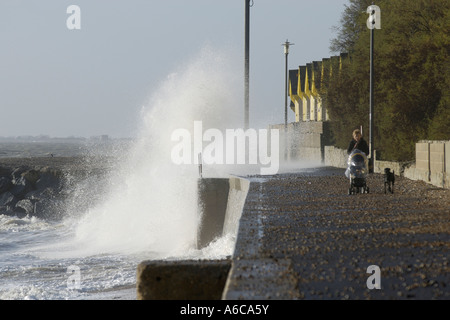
(357, 172)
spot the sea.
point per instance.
(93, 254)
(146, 208)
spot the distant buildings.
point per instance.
(102, 138)
(46, 138)
(307, 86)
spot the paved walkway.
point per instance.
(301, 236)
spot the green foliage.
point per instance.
(411, 59)
(350, 27)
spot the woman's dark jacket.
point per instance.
(362, 145)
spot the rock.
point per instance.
(8, 200)
(41, 208)
(53, 209)
(21, 187)
(28, 191)
(4, 172)
(41, 194)
(24, 206)
(5, 211)
(48, 179)
(31, 176)
(16, 174)
(5, 184)
(46, 183)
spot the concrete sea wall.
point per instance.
(221, 202)
(304, 140)
(432, 163)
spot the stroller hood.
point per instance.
(357, 164)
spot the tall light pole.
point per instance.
(286, 94)
(286, 91)
(247, 64)
(371, 103)
(373, 22)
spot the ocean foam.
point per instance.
(152, 202)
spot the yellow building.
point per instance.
(306, 87)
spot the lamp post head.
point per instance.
(286, 46)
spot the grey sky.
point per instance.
(60, 82)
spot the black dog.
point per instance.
(389, 179)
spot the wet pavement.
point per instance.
(301, 236)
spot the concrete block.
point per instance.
(422, 146)
(307, 140)
(182, 280)
(423, 175)
(236, 199)
(221, 201)
(410, 172)
(422, 156)
(437, 179)
(304, 140)
(437, 157)
(416, 174)
(447, 157)
(335, 157)
(397, 167)
(212, 200)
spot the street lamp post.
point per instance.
(371, 103)
(286, 53)
(286, 94)
(373, 22)
(247, 64)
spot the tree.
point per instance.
(350, 28)
(411, 75)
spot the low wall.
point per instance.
(212, 200)
(432, 163)
(182, 280)
(303, 140)
(335, 157)
(221, 201)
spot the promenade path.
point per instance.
(301, 236)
